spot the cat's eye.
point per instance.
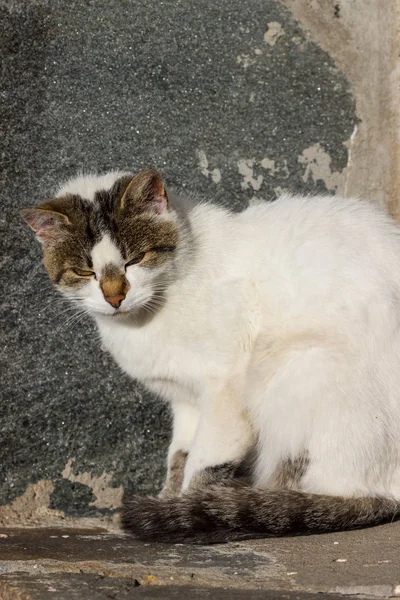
(136, 260)
(83, 272)
(139, 257)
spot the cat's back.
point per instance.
(321, 255)
(332, 225)
(302, 215)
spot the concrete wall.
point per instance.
(235, 101)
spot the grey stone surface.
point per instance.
(362, 564)
(193, 89)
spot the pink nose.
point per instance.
(115, 301)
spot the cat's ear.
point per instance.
(146, 192)
(45, 222)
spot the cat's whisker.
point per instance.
(55, 304)
(73, 320)
(50, 304)
(70, 318)
(69, 309)
(155, 305)
(152, 300)
(158, 299)
(149, 309)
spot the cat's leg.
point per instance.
(222, 441)
(185, 421)
(322, 429)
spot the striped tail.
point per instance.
(220, 514)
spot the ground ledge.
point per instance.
(69, 564)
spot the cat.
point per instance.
(273, 333)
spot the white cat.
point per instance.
(275, 331)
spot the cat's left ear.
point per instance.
(146, 192)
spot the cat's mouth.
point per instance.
(116, 313)
(123, 312)
(134, 310)
(120, 313)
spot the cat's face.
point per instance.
(111, 253)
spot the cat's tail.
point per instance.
(221, 514)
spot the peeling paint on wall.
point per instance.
(106, 495)
(269, 165)
(31, 506)
(278, 191)
(318, 166)
(364, 42)
(273, 33)
(245, 168)
(32, 509)
(254, 201)
(272, 167)
(215, 174)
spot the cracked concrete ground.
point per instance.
(38, 564)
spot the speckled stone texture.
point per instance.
(191, 88)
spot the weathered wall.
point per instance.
(233, 101)
(363, 38)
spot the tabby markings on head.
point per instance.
(97, 239)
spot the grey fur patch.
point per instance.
(223, 474)
(290, 472)
(221, 514)
(176, 468)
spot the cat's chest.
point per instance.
(189, 342)
(155, 352)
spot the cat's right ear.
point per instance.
(146, 193)
(46, 224)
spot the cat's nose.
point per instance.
(114, 286)
(115, 301)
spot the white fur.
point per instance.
(86, 185)
(106, 252)
(285, 332)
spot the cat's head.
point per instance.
(112, 249)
